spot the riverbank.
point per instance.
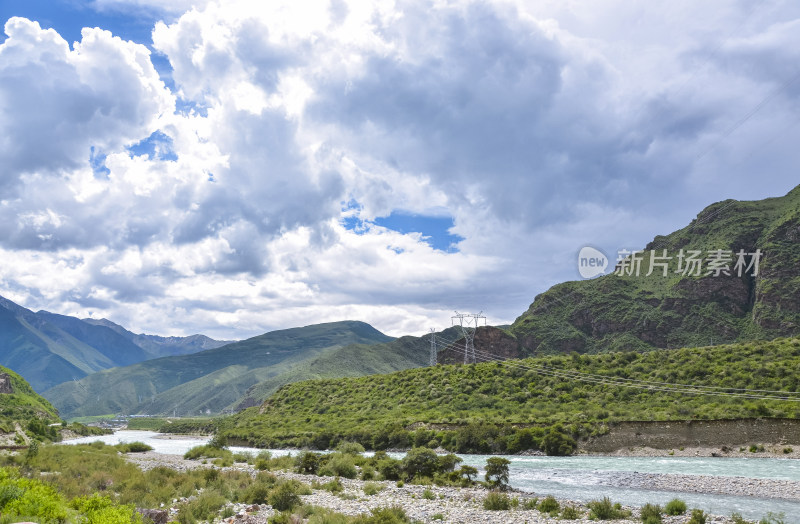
(429, 504)
(774, 451)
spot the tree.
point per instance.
(497, 472)
(420, 462)
(468, 472)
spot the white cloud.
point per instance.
(539, 127)
(58, 103)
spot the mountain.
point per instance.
(350, 361)
(22, 409)
(629, 312)
(49, 349)
(157, 346)
(42, 352)
(210, 380)
(508, 407)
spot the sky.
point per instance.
(232, 167)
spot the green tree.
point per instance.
(420, 462)
(497, 472)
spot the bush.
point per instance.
(495, 501)
(393, 515)
(557, 443)
(549, 504)
(698, 517)
(651, 514)
(339, 465)
(570, 513)
(675, 507)
(256, 493)
(428, 494)
(605, 510)
(101, 510)
(284, 497)
(134, 447)
(350, 448)
(420, 462)
(530, 503)
(773, 518)
(334, 486)
(307, 462)
(372, 488)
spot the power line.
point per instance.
(640, 384)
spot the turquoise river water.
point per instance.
(583, 478)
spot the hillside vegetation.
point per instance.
(495, 407)
(629, 312)
(23, 409)
(209, 380)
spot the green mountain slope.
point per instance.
(236, 387)
(214, 378)
(482, 407)
(20, 406)
(629, 312)
(41, 352)
(350, 361)
(115, 347)
(48, 349)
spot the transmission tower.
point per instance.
(469, 324)
(433, 347)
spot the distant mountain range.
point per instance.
(216, 379)
(48, 349)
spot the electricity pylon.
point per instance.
(433, 347)
(469, 324)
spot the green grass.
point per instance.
(490, 407)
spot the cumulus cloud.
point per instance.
(58, 103)
(538, 127)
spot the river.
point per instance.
(581, 478)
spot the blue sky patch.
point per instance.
(98, 162)
(157, 146)
(435, 230)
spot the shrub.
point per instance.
(570, 513)
(557, 443)
(698, 517)
(256, 493)
(284, 497)
(787, 450)
(393, 515)
(428, 494)
(605, 510)
(651, 514)
(350, 448)
(218, 441)
(675, 507)
(134, 447)
(334, 486)
(372, 488)
(339, 465)
(307, 462)
(738, 519)
(420, 462)
(530, 503)
(773, 518)
(549, 504)
(101, 510)
(495, 501)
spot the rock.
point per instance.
(5, 384)
(158, 516)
